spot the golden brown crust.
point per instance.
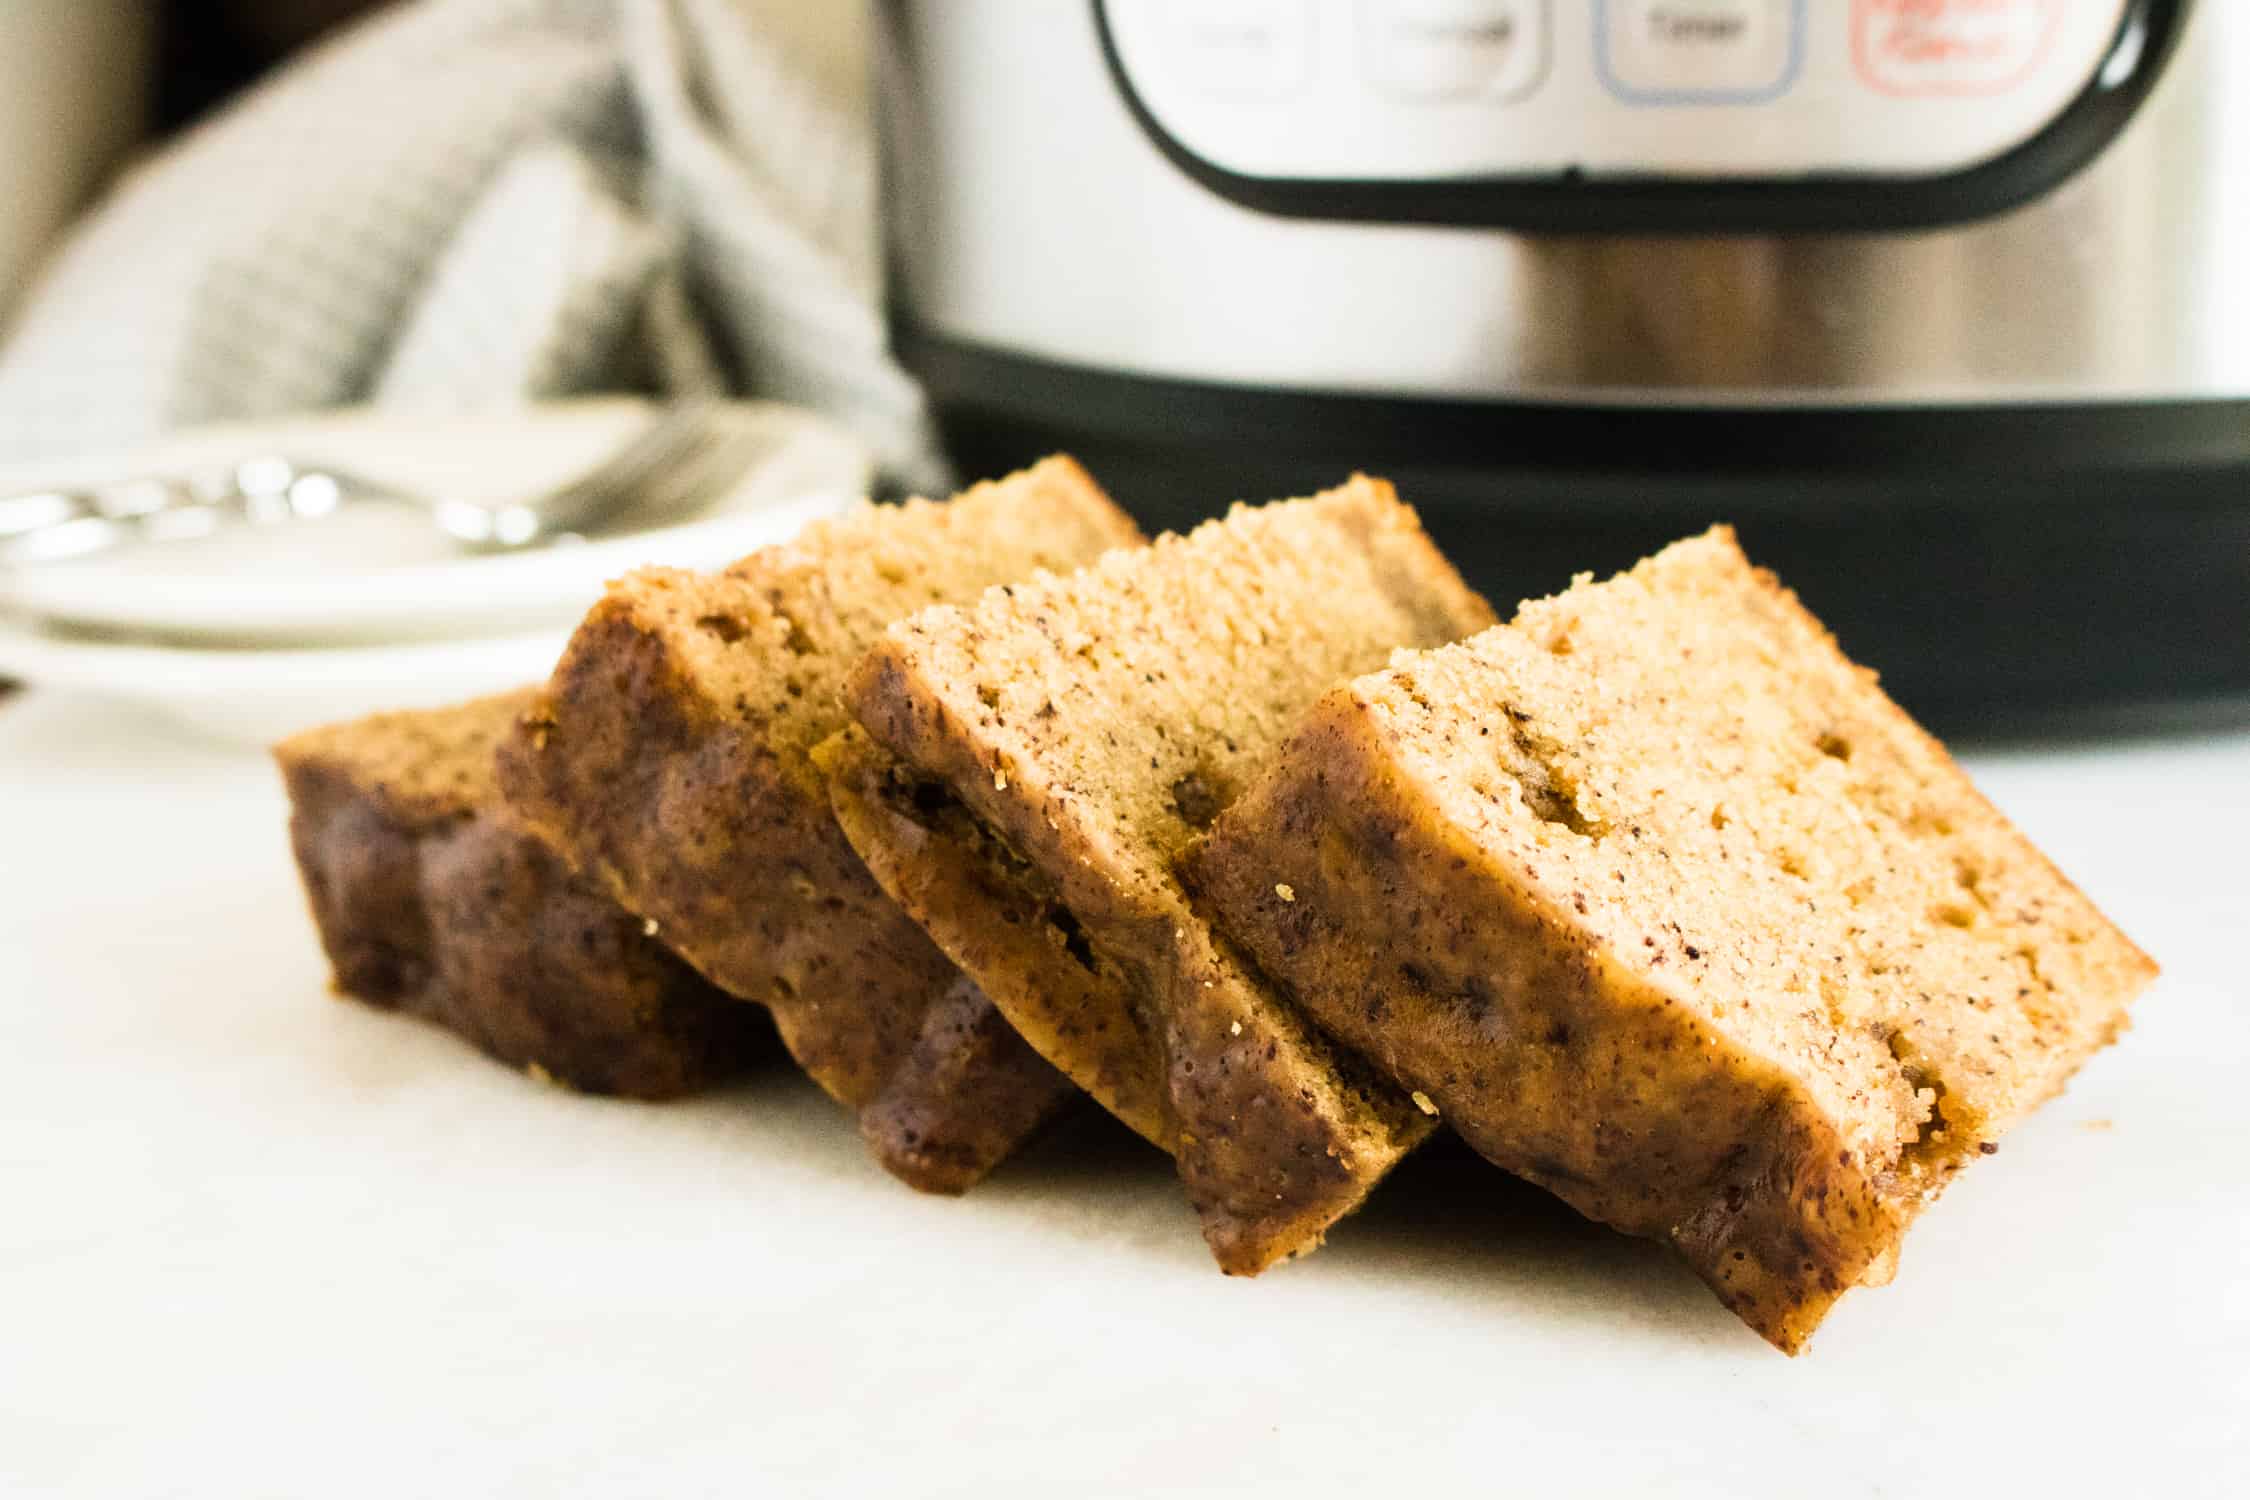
(1079, 730)
(430, 903)
(670, 758)
(965, 1096)
(1666, 907)
(994, 916)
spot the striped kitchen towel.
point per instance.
(483, 201)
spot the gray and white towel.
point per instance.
(482, 201)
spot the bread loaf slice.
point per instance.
(1668, 908)
(669, 757)
(430, 903)
(1060, 741)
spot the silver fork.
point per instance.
(683, 457)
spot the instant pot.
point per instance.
(1942, 302)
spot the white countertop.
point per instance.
(254, 1241)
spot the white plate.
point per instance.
(257, 696)
(376, 573)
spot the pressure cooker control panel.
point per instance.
(1372, 92)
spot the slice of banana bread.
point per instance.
(1062, 740)
(670, 758)
(1668, 908)
(429, 902)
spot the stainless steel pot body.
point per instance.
(1036, 208)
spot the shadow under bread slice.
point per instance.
(429, 902)
(1669, 909)
(1060, 741)
(669, 758)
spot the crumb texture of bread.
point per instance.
(1034, 763)
(429, 902)
(669, 759)
(1667, 907)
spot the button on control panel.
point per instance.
(1928, 48)
(1251, 49)
(1438, 91)
(1454, 49)
(1687, 51)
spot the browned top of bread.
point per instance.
(421, 765)
(1096, 722)
(770, 638)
